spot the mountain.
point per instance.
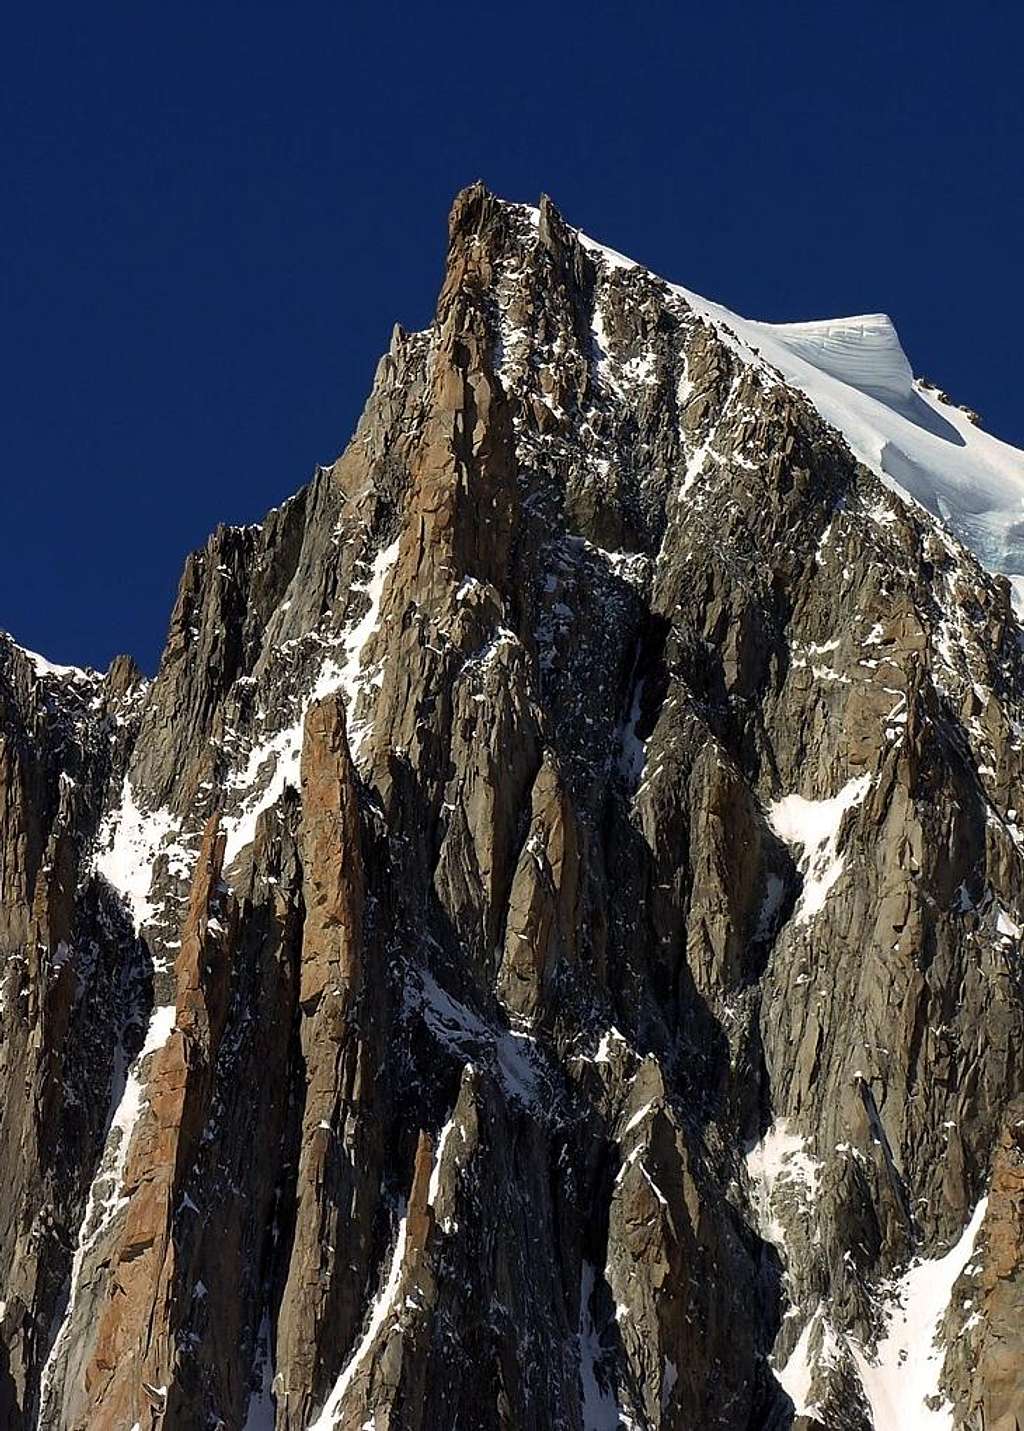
(545, 949)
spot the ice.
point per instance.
(774, 896)
(855, 372)
(516, 1057)
(669, 1377)
(904, 1371)
(815, 826)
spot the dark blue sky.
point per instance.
(216, 213)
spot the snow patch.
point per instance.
(105, 1197)
(638, 1117)
(351, 677)
(261, 1414)
(128, 843)
(43, 667)
(330, 1416)
(129, 1109)
(604, 1048)
(633, 750)
(903, 1373)
(815, 826)
(598, 1405)
(285, 747)
(779, 1164)
(1006, 926)
(434, 1187)
(796, 1376)
(511, 1055)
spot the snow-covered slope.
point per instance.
(44, 667)
(857, 375)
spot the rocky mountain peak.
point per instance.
(556, 911)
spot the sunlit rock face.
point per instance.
(545, 949)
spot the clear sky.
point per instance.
(216, 213)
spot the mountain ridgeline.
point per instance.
(545, 951)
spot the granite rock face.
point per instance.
(545, 951)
